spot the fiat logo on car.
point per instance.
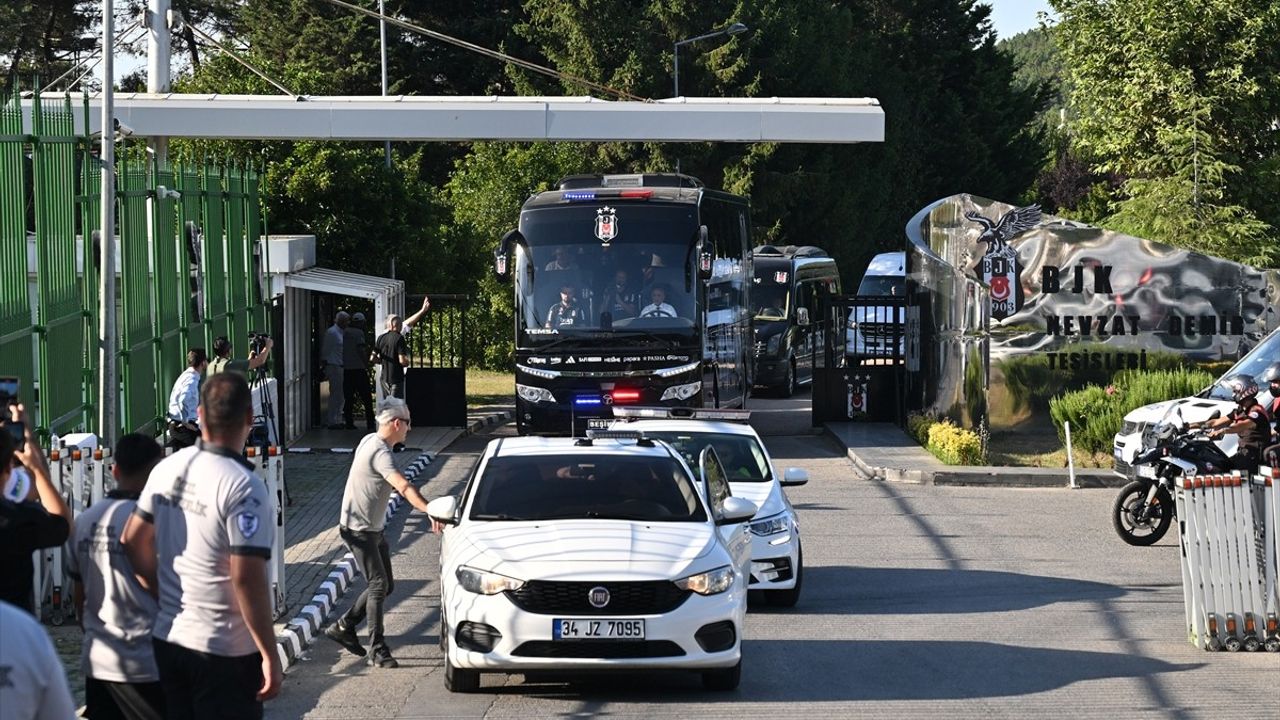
(598, 596)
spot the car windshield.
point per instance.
(742, 457)
(874, 285)
(586, 486)
(1258, 359)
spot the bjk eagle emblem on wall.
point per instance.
(606, 224)
(999, 266)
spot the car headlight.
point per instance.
(774, 343)
(482, 582)
(711, 582)
(771, 525)
(682, 392)
(533, 394)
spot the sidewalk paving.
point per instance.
(885, 452)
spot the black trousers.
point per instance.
(393, 389)
(106, 700)
(373, 557)
(204, 686)
(356, 388)
(181, 436)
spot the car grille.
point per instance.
(546, 597)
(603, 649)
(1124, 468)
(879, 332)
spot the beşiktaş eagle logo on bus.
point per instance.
(606, 224)
(999, 267)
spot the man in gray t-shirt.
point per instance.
(116, 612)
(361, 522)
(201, 537)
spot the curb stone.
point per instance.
(306, 624)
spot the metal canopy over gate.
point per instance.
(298, 351)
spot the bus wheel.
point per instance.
(789, 383)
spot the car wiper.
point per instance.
(495, 516)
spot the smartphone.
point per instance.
(9, 387)
(18, 431)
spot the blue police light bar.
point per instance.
(589, 195)
(588, 400)
(579, 195)
(681, 413)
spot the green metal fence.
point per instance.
(186, 267)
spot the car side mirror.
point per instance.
(736, 510)
(802, 316)
(444, 509)
(794, 476)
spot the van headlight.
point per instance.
(771, 525)
(682, 392)
(532, 394)
(774, 344)
(711, 582)
(482, 582)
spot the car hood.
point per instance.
(563, 548)
(1194, 409)
(766, 495)
(766, 329)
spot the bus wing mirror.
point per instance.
(802, 316)
(502, 254)
(706, 258)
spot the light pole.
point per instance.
(382, 35)
(734, 29)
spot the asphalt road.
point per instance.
(940, 602)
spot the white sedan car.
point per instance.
(592, 554)
(777, 560)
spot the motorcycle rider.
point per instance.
(1248, 420)
(1271, 376)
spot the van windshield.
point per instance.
(770, 301)
(873, 285)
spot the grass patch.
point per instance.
(486, 387)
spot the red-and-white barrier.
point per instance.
(82, 472)
(1229, 541)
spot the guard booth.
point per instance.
(870, 343)
(436, 379)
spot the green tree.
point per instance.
(1179, 97)
(44, 37)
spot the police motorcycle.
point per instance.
(1144, 509)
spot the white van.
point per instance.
(1132, 437)
(873, 329)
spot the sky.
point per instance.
(1011, 17)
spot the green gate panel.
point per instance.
(15, 304)
(59, 291)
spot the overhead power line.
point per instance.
(487, 52)
(209, 39)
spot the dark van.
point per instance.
(788, 286)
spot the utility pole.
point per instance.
(382, 34)
(158, 51)
(108, 383)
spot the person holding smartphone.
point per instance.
(33, 514)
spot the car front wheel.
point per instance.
(723, 679)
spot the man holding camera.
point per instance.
(221, 362)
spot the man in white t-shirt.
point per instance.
(33, 683)
(361, 523)
(115, 611)
(200, 538)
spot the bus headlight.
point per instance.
(532, 394)
(682, 392)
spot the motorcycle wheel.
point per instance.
(1124, 515)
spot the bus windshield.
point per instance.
(570, 283)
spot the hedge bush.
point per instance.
(949, 443)
(1096, 412)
